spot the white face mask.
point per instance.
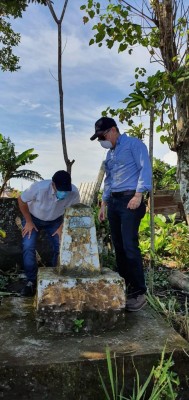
(106, 144)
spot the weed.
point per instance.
(3, 282)
(78, 325)
(169, 309)
(162, 383)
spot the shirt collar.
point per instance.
(120, 138)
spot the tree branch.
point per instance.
(49, 4)
(63, 11)
(140, 13)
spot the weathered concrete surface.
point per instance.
(77, 290)
(79, 249)
(38, 366)
(62, 299)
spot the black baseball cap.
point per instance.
(102, 125)
(62, 181)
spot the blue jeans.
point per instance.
(29, 245)
(124, 225)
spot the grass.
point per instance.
(171, 311)
(162, 382)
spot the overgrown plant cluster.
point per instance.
(11, 161)
(161, 384)
(171, 240)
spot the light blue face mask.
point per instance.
(61, 195)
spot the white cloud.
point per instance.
(170, 158)
(29, 104)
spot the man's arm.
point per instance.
(141, 157)
(105, 196)
(140, 154)
(29, 226)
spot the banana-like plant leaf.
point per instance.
(25, 156)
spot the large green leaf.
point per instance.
(25, 156)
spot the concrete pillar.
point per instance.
(79, 250)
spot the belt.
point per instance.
(125, 193)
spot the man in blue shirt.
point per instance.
(128, 176)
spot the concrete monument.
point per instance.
(79, 295)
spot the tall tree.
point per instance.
(9, 39)
(11, 161)
(162, 27)
(60, 86)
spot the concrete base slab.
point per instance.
(92, 303)
(40, 365)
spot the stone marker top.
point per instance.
(79, 249)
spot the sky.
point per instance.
(93, 79)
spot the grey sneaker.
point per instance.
(136, 303)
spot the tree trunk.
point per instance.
(60, 86)
(165, 12)
(152, 227)
(4, 184)
(61, 103)
(183, 176)
(183, 144)
(3, 187)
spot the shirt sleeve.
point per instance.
(107, 185)
(76, 196)
(141, 157)
(30, 193)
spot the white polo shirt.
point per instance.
(43, 203)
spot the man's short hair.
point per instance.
(62, 181)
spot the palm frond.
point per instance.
(27, 174)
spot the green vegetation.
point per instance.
(8, 38)
(164, 176)
(171, 240)
(78, 325)
(162, 382)
(11, 161)
(169, 307)
(3, 282)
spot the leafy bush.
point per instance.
(171, 239)
(164, 176)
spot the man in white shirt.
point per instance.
(43, 205)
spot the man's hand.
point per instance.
(58, 231)
(135, 201)
(102, 212)
(28, 228)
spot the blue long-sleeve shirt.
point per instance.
(127, 167)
